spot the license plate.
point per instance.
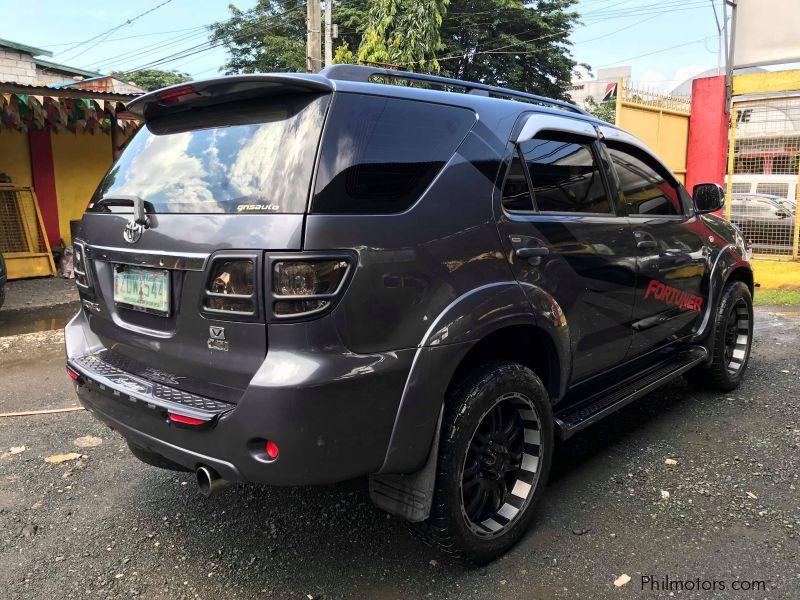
(142, 289)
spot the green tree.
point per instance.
(272, 38)
(404, 33)
(152, 79)
(522, 44)
(607, 111)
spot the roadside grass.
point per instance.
(789, 296)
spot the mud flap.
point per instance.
(408, 496)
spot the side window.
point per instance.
(379, 154)
(516, 193)
(565, 174)
(642, 185)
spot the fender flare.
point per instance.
(726, 261)
(463, 323)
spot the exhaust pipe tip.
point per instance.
(209, 482)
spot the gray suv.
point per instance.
(302, 279)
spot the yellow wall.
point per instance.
(80, 161)
(15, 159)
(665, 131)
(771, 81)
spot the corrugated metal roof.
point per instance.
(9, 87)
(65, 69)
(24, 48)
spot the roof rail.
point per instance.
(370, 74)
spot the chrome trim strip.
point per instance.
(160, 260)
(538, 122)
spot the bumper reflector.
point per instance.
(272, 450)
(183, 420)
(74, 375)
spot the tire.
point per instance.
(733, 338)
(506, 403)
(2, 294)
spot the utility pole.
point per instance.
(314, 47)
(328, 34)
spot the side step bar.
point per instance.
(602, 404)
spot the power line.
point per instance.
(206, 46)
(105, 34)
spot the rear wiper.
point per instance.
(138, 203)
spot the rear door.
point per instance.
(671, 244)
(177, 297)
(563, 236)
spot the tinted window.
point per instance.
(565, 174)
(380, 154)
(642, 185)
(255, 158)
(516, 194)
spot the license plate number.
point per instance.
(142, 289)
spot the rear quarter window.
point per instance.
(380, 154)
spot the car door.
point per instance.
(565, 242)
(671, 243)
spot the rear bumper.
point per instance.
(329, 411)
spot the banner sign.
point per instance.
(767, 32)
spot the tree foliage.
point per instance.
(152, 79)
(522, 44)
(267, 38)
(605, 110)
(404, 33)
(271, 38)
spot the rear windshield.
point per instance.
(380, 154)
(253, 157)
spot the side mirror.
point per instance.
(708, 197)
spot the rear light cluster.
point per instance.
(306, 287)
(80, 266)
(231, 287)
(297, 288)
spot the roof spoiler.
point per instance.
(208, 92)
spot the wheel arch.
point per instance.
(496, 321)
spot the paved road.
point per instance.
(105, 526)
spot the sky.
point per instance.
(664, 41)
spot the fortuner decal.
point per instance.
(671, 295)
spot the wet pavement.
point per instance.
(30, 320)
(726, 513)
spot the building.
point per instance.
(60, 130)
(581, 88)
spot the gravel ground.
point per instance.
(105, 526)
(26, 294)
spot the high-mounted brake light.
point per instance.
(176, 94)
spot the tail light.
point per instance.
(231, 287)
(306, 287)
(80, 266)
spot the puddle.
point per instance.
(16, 322)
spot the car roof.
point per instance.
(341, 78)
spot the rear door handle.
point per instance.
(529, 252)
